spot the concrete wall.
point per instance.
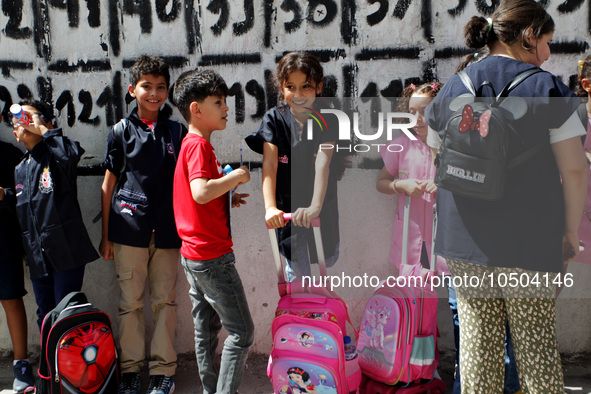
(77, 54)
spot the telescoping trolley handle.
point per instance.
(315, 223)
(404, 260)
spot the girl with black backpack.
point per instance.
(506, 256)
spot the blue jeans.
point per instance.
(511, 376)
(218, 299)
(300, 266)
(51, 289)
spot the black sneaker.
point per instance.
(130, 383)
(23, 376)
(161, 384)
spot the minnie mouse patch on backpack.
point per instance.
(472, 159)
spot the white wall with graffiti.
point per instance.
(76, 54)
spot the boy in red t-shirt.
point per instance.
(201, 199)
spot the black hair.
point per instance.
(300, 61)
(44, 108)
(196, 86)
(147, 64)
(305, 375)
(510, 23)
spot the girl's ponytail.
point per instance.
(513, 21)
(479, 32)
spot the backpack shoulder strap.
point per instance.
(118, 131)
(531, 152)
(517, 80)
(467, 82)
(177, 133)
(528, 154)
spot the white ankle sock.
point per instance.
(16, 361)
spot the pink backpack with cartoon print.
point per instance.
(308, 332)
(398, 333)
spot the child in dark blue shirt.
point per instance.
(139, 230)
(55, 239)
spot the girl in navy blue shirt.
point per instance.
(532, 229)
(299, 174)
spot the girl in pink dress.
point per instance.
(409, 170)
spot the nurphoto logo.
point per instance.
(349, 131)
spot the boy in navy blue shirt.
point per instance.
(139, 230)
(56, 242)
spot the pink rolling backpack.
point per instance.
(398, 334)
(308, 332)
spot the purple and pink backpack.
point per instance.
(397, 342)
(398, 335)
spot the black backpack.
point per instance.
(472, 159)
(78, 354)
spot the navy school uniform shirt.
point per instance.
(525, 228)
(144, 163)
(54, 235)
(295, 176)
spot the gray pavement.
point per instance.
(577, 370)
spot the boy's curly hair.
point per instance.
(196, 86)
(147, 64)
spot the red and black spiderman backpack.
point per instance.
(472, 159)
(78, 354)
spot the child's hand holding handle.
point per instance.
(410, 187)
(286, 217)
(274, 217)
(304, 216)
(428, 186)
